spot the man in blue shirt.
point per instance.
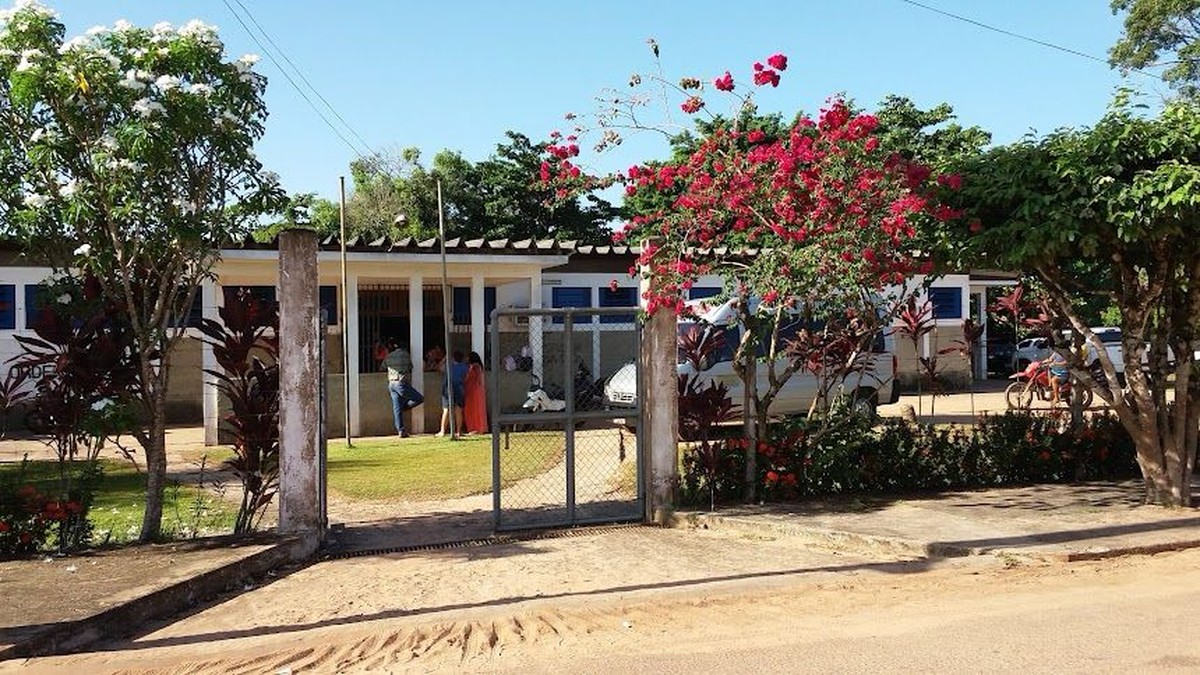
(404, 395)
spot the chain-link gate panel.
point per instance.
(565, 410)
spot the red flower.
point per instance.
(871, 145)
(766, 77)
(4, 526)
(612, 285)
(950, 180)
(1044, 455)
(976, 227)
(789, 479)
(724, 82)
(692, 105)
(756, 136)
(770, 296)
(772, 477)
(777, 61)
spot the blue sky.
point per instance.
(457, 75)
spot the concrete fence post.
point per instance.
(299, 384)
(660, 412)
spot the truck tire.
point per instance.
(865, 403)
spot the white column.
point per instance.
(208, 361)
(478, 319)
(353, 383)
(416, 347)
(981, 348)
(535, 322)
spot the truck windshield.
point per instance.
(719, 342)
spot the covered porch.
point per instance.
(393, 290)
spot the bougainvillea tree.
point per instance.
(128, 153)
(808, 223)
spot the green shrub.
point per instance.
(898, 457)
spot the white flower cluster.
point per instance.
(243, 66)
(31, 6)
(84, 249)
(187, 207)
(108, 143)
(27, 58)
(69, 188)
(122, 25)
(146, 108)
(77, 42)
(36, 201)
(199, 89)
(201, 32)
(166, 83)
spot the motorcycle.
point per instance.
(1034, 381)
(549, 398)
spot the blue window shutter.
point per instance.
(701, 292)
(8, 306)
(264, 294)
(489, 302)
(946, 301)
(328, 301)
(621, 297)
(194, 314)
(460, 300)
(570, 296)
(35, 299)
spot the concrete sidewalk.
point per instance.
(1054, 522)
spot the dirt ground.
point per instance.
(726, 606)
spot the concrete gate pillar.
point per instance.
(299, 385)
(660, 412)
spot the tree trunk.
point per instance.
(750, 430)
(156, 468)
(1166, 469)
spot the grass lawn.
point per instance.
(120, 502)
(429, 468)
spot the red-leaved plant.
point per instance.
(245, 344)
(703, 407)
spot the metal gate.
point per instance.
(565, 399)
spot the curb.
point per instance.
(839, 540)
(119, 620)
(854, 542)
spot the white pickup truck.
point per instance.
(870, 387)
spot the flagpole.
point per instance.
(446, 318)
(345, 313)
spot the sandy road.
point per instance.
(762, 605)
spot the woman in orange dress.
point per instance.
(475, 410)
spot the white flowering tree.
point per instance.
(127, 154)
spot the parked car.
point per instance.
(870, 387)
(999, 357)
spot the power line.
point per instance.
(1019, 36)
(296, 86)
(300, 73)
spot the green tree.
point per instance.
(127, 154)
(499, 197)
(1114, 210)
(1157, 30)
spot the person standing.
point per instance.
(475, 410)
(404, 396)
(454, 396)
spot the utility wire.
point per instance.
(1019, 36)
(300, 73)
(294, 84)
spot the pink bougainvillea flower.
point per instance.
(724, 82)
(763, 77)
(612, 286)
(777, 61)
(692, 105)
(756, 136)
